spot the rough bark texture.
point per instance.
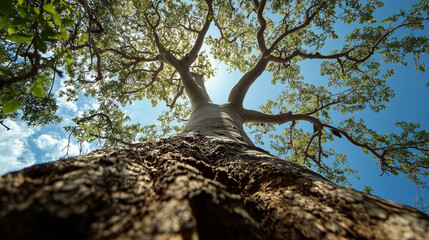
(192, 187)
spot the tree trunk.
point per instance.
(192, 187)
(219, 121)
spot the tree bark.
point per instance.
(192, 187)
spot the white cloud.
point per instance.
(18, 147)
(15, 153)
(45, 142)
(66, 105)
(95, 105)
(54, 147)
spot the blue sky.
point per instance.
(24, 146)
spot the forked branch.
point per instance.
(197, 95)
(381, 153)
(308, 18)
(239, 91)
(193, 53)
(346, 54)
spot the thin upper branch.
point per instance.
(310, 56)
(374, 46)
(197, 95)
(178, 94)
(400, 146)
(127, 56)
(85, 119)
(34, 70)
(259, 6)
(239, 91)
(114, 139)
(256, 116)
(308, 18)
(193, 53)
(345, 54)
(356, 143)
(323, 107)
(7, 128)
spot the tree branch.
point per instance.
(197, 95)
(320, 150)
(154, 76)
(362, 145)
(374, 46)
(193, 53)
(129, 57)
(153, 28)
(259, 7)
(323, 107)
(85, 119)
(178, 94)
(91, 17)
(7, 128)
(199, 79)
(307, 21)
(238, 92)
(399, 146)
(34, 70)
(309, 56)
(345, 54)
(256, 116)
(115, 139)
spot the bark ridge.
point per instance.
(192, 187)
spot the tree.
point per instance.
(119, 52)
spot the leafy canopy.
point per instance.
(118, 52)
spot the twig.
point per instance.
(95, 115)
(7, 128)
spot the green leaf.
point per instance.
(83, 38)
(6, 70)
(36, 10)
(57, 20)
(49, 9)
(19, 37)
(41, 45)
(67, 22)
(7, 9)
(40, 79)
(13, 91)
(69, 61)
(4, 21)
(64, 34)
(47, 32)
(23, 12)
(52, 39)
(10, 30)
(18, 21)
(11, 106)
(38, 91)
